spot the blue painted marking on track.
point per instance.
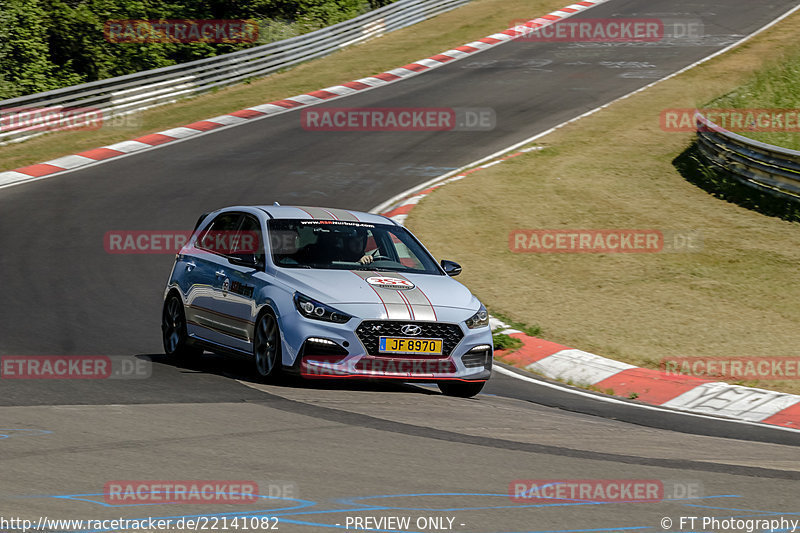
(359, 504)
(631, 528)
(762, 513)
(9, 432)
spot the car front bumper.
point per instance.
(470, 359)
(396, 368)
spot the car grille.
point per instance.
(370, 331)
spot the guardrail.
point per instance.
(763, 166)
(143, 90)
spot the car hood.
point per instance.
(417, 291)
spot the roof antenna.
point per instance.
(276, 204)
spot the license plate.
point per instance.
(410, 346)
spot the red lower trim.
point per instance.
(385, 378)
(224, 315)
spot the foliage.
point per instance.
(48, 44)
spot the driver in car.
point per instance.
(330, 246)
(355, 246)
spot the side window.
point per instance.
(372, 245)
(248, 241)
(407, 258)
(218, 236)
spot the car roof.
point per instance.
(321, 213)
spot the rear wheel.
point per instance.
(461, 389)
(173, 330)
(267, 347)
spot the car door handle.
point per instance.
(220, 273)
(190, 266)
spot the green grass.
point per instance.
(533, 331)
(774, 86)
(505, 342)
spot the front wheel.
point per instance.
(267, 347)
(173, 330)
(461, 389)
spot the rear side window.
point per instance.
(248, 241)
(218, 237)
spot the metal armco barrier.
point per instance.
(763, 166)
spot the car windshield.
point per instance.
(347, 246)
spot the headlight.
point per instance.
(479, 319)
(313, 309)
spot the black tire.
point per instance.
(267, 347)
(173, 331)
(461, 389)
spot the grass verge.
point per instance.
(776, 86)
(533, 331)
(502, 341)
(473, 21)
(737, 296)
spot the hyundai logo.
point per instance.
(411, 329)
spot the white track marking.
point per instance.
(617, 401)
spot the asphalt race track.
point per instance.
(322, 453)
(327, 454)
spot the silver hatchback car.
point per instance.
(325, 293)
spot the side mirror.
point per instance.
(451, 268)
